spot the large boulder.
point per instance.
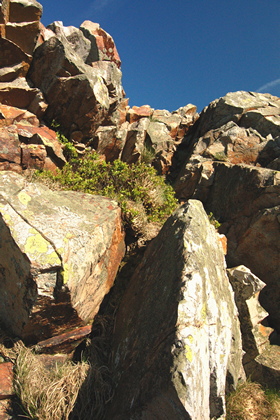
(176, 339)
(59, 246)
(80, 96)
(241, 127)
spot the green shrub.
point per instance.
(69, 149)
(143, 196)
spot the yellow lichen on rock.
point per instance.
(24, 198)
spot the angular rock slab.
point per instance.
(59, 240)
(177, 334)
(255, 332)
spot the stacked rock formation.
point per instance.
(184, 322)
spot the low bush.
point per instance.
(143, 196)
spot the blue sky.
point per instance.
(176, 52)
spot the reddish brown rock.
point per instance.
(23, 34)
(64, 343)
(137, 112)
(6, 380)
(12, 115)
(19, 94)
(24, 11)
(10, 150)
(33, 156)
(22, 22)
(13, 61)
(43, 136)
(44, 34)
(25, 145)
(105, 43)
(109, 141)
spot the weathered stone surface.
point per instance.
(245, 200)
(25, 145)
(64, 343)
(153, 135)
(172, 343)
(249, 213)
(13, 61)
(19, 94)
(80, 44)
(9, 145)
(247, 109)
(269, 367)
(226, 131)
(77, 95)
(107, 50)
(24, 10)
(11, 115)
(136, 112)
(135, 139)
(60, 241)
(23, 34)
(109, 141)
(6, 380)
(21, 23)
(252, 316)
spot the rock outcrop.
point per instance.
(176, 345)
(58, 246)
(176, 336)
(59, 68)
(224, 151)
(72, 76)
(252, 316)
(26, 145)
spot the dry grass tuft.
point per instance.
(251, 402)
(47, 394)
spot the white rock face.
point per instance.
(255, 333)
(177, 333)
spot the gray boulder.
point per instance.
(63, 245)
(176, 339)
